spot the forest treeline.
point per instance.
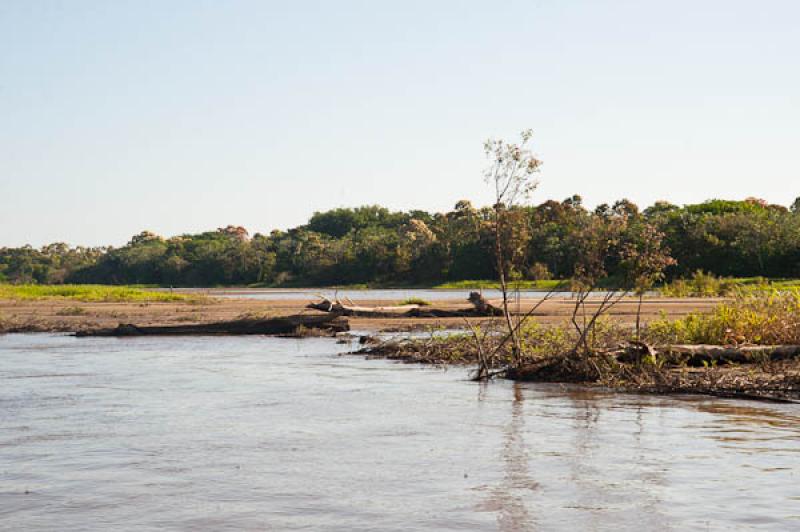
(372, 244)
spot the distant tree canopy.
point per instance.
(339, 222)
(372, 244)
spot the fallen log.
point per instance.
(287, 325)
(444, 313)
(338, 307)
(481, 307)
(701, 355)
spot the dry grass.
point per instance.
(71, 311)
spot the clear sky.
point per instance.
(182, 116)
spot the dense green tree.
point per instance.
(372, 244)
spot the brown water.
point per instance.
(280, 434)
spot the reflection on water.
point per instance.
(508, 498)
(517, 480)
(267, 433)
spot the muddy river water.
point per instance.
(236, 433)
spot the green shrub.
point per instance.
(759, 318)
(700, 284)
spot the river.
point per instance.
(374, 294)
(253, 433)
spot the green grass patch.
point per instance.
(414, 301)
(702, 284)
(90, 293)
(548, 284)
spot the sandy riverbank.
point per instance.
(68, 315)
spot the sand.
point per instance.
(68, 315)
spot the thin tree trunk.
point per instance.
(639, 317)
(515, 343)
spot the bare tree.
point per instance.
(511, 170)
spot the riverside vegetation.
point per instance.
(633, 250)
(615, 248)
(90, 293)
(373, 245)
(748, 347)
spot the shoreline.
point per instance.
(755, 379)
(768, 373)
(66, 315)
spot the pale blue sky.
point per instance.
(182, 116)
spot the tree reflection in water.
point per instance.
(511, 497)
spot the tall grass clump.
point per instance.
(761, 318)
(90, 293)
(415, 301)
(700, 284)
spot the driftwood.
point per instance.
(703, 355)
(481, 307)
(700, 355)
(331, 322)
(343, 309)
